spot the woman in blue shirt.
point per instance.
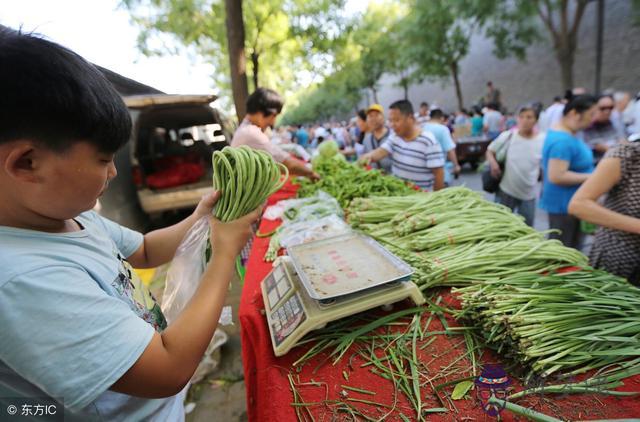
(566, 162)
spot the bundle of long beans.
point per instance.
(463, 264)
(472, 228)
(246, 177)
(571, 322)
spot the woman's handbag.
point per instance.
(489, 183)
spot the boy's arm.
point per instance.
(171, 358)
(159, 246)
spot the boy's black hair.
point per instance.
(265, 101)
(51, 95)
(362, 114)
(424, 104)
(580, 103)
(403, 106)
(436, 113)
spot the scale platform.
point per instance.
(330, 279)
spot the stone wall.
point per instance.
(538, 78)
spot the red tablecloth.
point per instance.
(269, 396)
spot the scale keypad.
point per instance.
(277, 286)
(286, 318)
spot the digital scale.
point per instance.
(325, 280)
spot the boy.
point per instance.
(77, 325)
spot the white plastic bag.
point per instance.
(303, 209)
(183, 278)
(309, 231)
(185, 271)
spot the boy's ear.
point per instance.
(20, 161)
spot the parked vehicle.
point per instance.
(471, 149)
(166, 166)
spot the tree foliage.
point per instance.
(364, 54)
(281, 36)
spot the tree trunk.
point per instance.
(565, 53)
(237, 59)
(599, 41)
(456, 83)
(405, 86)
(375, 94)
(566, 69)
(255, 61)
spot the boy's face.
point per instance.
(62, 185)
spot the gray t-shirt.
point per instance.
(522, 167)
(370, 143)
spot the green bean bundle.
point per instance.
(466, 263)
(575, 321)
(246, 177)
(479, 226)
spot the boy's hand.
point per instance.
(229, 238)
(205, 206)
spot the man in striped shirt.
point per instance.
(416, 155)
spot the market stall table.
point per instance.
(268, 379)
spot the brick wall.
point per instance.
(538, 78)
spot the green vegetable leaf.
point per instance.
(461, 389)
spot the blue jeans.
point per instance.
(527, 209)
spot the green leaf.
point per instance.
(461, 389)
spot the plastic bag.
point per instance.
(296, 215)
(317, 206)
(183, 278)
(185, 271)
(309, 231)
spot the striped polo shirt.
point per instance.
(414, 160)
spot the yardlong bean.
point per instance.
(246, 177)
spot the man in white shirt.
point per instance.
(416, 156)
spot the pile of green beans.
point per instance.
(346, 181)
(571, 322)
(246, 177)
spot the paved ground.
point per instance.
(221, 396)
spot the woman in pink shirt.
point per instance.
(263, 107)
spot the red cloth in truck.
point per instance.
(175, 171)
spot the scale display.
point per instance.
(292, 312)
